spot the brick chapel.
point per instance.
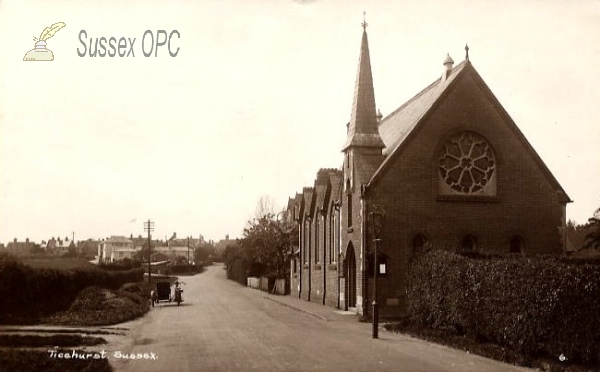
(449, 168)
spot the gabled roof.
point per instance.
(336, 180)
(322, 188)
(400, 126)
(299, 206)
(395, 127)
(223, 243)
(309, 201)
(118, 239)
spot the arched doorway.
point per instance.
(419, 242)
(350, 266)
(516, 244)
(469, 243)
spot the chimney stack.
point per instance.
(448, 64)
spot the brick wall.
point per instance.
(526, 202)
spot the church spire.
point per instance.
(362, 129)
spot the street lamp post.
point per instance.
(376, 225)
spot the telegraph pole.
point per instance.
(189, 267)
(149, 226)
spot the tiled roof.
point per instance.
(336, 180)
(323, 187)
(397, 126)
(118, 239)
(320, 194)
(299, 204)
(223, 243)
(309, 204)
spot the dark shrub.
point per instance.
(539, 306)
(131, 288)
(29, 293)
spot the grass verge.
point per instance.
(12, 360)
(39, 341)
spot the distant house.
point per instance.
(58, 246)
(185, 242)
(88, 248)
(20, 248)
(174, 252)
(222, 245)
(119, 254)
(110, 249)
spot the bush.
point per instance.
(132, 288)
(100, 306)
(30, 293)
(538, 306)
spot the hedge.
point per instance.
(538, 306)
(30, 293)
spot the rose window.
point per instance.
(467, 164)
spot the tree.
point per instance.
(264, 207)
(592, 239)
(267, 244)
(202, 254)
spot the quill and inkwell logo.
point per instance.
(40, 52)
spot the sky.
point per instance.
(256, 101)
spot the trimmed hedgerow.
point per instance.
(538, 306)
(30, 293)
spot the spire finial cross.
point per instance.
(467, 52)
(364, 23)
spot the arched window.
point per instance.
(348, 203)
(331, 231)
(516, 244)
(317, 241)
(306, 242)
(468, 243)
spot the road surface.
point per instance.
(223, 326)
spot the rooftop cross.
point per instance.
(364, 23)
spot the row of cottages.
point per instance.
(315, 264)
(448, 168)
